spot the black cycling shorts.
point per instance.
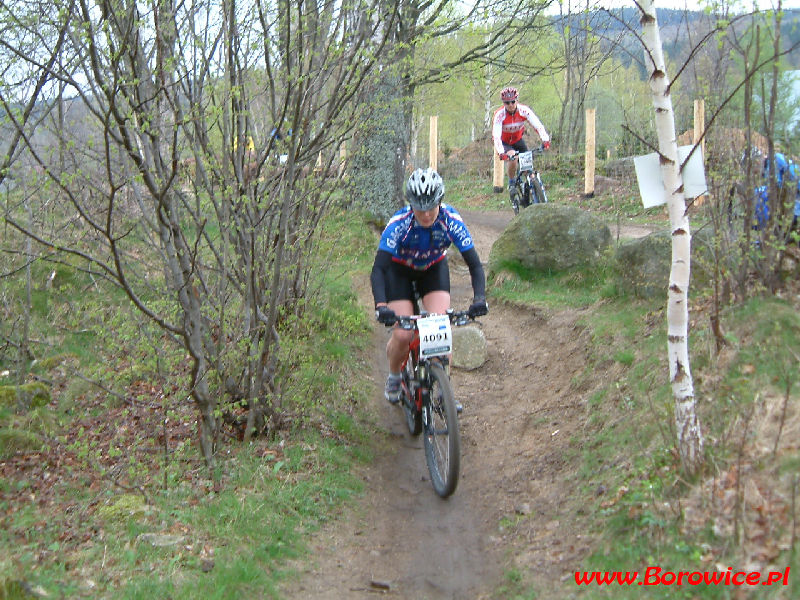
(519, 146)
(400, 280)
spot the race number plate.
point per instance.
(526, 161)
(435, 338)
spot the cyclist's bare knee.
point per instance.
(437, 302)
(402, 337)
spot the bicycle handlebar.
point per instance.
(457, 317)
(538, 150)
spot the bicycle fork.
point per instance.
(538, 178)
(515, 190)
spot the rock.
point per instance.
(163, 540)
(550, 237)
(24, 397)
(380, 585)
(469, 347)
(206, 565)
(122, 508)
(603, 185)
(643, 264)
(18, 440)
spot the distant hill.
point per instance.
(680, 31)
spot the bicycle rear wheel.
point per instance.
(413, 416)
(442, 439)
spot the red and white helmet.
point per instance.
(509, 93)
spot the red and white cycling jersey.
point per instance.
(508, 127)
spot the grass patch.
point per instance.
(636, 498)
(576, 288)
(133, 512)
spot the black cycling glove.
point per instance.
(385, 315)
(478, 308)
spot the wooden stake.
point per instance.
(498, 173)
(699, 128)
(588, 175)
(434, 143)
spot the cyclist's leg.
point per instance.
(399, 293)
(519, 146)
(437, 302)
(511, 167)
(397, 346)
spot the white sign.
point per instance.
(651, 186)
(434, 336)
(526, 161)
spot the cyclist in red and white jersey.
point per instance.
(508, 126)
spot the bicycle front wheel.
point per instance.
(525, 198)
(442, 439)
(514, 193)
(537, 191)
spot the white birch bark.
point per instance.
(690, 438)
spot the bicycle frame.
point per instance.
(420, 367)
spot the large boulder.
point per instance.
(469, 347)
(24, 397)
(643, 265)
(550, 237)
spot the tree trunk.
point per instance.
(378, 164)
(690, 438)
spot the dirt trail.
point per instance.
(522, 417)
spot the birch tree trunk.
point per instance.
(690, 438)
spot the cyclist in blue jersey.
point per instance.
(785, 170)
(413, 248)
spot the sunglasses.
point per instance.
(509, 101)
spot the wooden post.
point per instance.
(498, 173)
(342, 157)
(434, 143)
(588, 174)
(699, 129)
(318, 165)
(700, 124)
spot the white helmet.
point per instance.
(424, 189)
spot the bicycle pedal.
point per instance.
(459, 407)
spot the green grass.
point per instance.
(236, 536)
(630, 427)
(576, 288)
(233, 543)
(628, 446)
(239, 540)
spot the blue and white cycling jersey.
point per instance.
(420, 247)
(785, 170)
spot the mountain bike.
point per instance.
(527, 186)
(427, 398)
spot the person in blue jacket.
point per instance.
(413, 249)
(784, 170)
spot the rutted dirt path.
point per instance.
(522, 423)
